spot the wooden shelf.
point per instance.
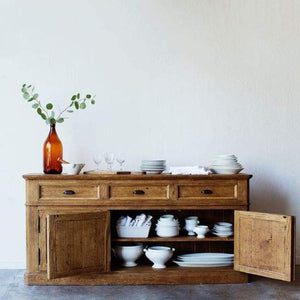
(175, 239)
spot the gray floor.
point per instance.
(12, 287)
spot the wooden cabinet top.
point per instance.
(136, 177)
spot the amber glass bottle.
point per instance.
(53, 151)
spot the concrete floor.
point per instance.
(12, 287)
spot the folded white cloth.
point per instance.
(193, 170)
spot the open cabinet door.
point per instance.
(77, 243)
(264, 244)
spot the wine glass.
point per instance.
(121, 160)
(109, 159)
(97, 158)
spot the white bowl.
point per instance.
(72, 169)
(225, 156)
(167, 231)
(129, 254)
(224, 224)
(224, 170)
(159, 255)
(201, 230)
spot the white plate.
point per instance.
(211, 265)
(153, 172)
(225, 224)
(152, 168)
(207, 255)
(205, 260)
(222, 234)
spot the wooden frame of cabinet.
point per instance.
(70, 228)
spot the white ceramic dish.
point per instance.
(167, 231)
(152, 172)
(222, 234)
(72, 169)
(204, 259)
(223, 170)
(159, 255)
(222, 228)
(224, 224)
(202, 265)
(207, 255)
(129, 254)
(133, 231)
(201, 231)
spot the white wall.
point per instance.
(184, 80)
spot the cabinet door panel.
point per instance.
(76, 243)
(264, 244)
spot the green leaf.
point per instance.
(24, 85)
(39, 111)
(52, 114)
(93, 101)
(52, 121)
(70, 111)
(49, 106)
(73, 97)
(60, 120)
(88, 96)
(31, 99)
(29, 86)
(76, 105)
(78, 96)
(35, 96)
(26, 96)
(35, 105)
(24, 90)
(48, 121)
(44, 116)
(82, 105)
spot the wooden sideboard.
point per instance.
(70, 229)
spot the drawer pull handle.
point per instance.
(139, 192)
(68, 192)
(206, 192)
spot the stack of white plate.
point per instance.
(153, 166)
(222, 229)
(226, 164)
(208, 260)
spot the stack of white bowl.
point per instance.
(153, 166)
(167, 226)
(222, 229)
(226, 164)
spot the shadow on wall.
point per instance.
(266, 196)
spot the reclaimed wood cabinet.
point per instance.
(70, 229)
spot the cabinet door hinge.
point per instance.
(39, 256)
(39, 225)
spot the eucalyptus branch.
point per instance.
(47, 113)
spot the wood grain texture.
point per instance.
(65, 245)
(263, 244)
(152, 190)
(32, 239)
(142, 275)
(76, 243)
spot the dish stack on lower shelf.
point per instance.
(206, 260)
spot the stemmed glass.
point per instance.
(121, 160)
(97, 158)
(109, 159)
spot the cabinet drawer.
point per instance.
(69, 192)
(209, 190)
(133, 191)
